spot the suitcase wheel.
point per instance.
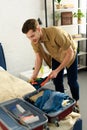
(46, 127)
(56, 123)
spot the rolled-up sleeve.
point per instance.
(35, 47)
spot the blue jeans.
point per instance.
(72, 72)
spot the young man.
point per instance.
(58, 50)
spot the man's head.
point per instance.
(30, 24)
(32, 30)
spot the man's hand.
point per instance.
(32, 79)
(53, 74)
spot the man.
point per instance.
(57, 48)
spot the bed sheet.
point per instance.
(13, 87)
(67, 123)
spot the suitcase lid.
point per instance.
(38, 118)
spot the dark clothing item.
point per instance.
(2, 58)
(71, 77)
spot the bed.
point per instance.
(12, 87)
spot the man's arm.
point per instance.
(68, 56)
(38, 63)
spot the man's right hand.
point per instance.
(32, 79)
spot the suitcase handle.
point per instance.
(45, 81)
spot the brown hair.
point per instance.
(30, 24)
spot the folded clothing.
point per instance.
(51, 101)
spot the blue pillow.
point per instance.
(2, 58)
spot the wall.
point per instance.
(17, 48)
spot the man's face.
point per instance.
(34, 36)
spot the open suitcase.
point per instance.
(56, 116)
(17, 114)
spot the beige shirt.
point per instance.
(56, 42)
